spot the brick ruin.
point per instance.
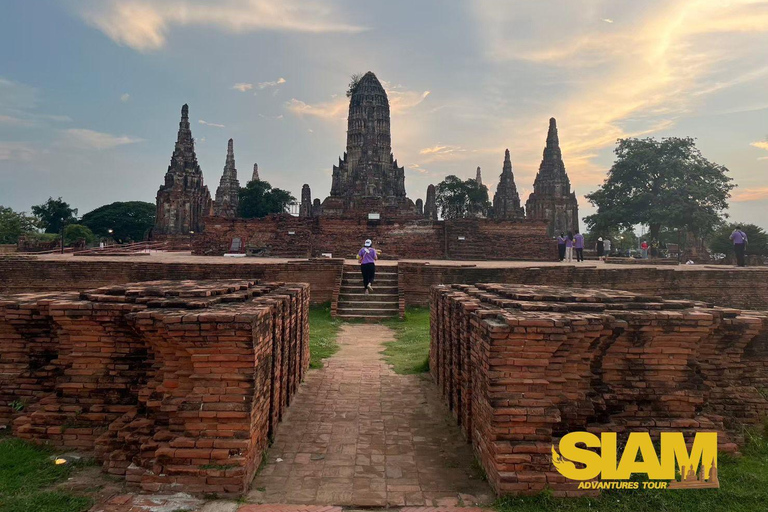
(228, 193)
(520, 366)
(506, 200)
(178, 385)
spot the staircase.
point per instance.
(383, 302)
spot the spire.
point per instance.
(305, 208)
(430, 206)
(506, 201)
(479, 177)
(227, 195)
(552, 149)
(185, 132)
(229, 165)
(255, 176)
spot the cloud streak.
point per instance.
(206, 123)
(145, 26)
(82, 138)
(242, 86)
(264, 85)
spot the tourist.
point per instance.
(644, 249)
(561, 246)
(569, 248)
(607, 246)
(739, 239)
(600, 248)
(578, 245)
(654, 248)
(367, 257)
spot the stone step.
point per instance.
(371, 297)
(377, 279)
(377, 290)
(368, 306)
(365, 314)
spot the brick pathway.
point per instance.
(358, 434)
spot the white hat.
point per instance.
(368, 243)
(600, 239)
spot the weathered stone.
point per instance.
(479, 177)
(255, 176)
(506, 201)
(228, 193)
(420, 206)
(305, 210)
(430, 206)
(552, 199)
(183, 201)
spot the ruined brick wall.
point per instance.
(177, 385)
(397, 237)
(741, 288)
(521, 366)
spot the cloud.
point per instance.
(14, 121)
(607, 20)
(264, 85)
(271, 118)
(81, 138)
(740, 195)
(144, 26)
(242, 86)
(125, 97)
(763, 144)
(417, 168)
(336, 109)
(215, 125)
(440, 152)
(16, 151)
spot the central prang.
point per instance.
(368, 177)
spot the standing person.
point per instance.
(644, 249)
(739, 239)
(578, 244)
(607, 246)
(367, 257)
(561, 246)
(600, 248)
(569, 248)
(654, 248)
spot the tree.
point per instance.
(128, 220)
(51, 213)
(457, 199)
(74, 232)
(757, 240)
(14, 224)
(666, 183)
(259, 199)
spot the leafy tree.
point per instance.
(457, 199)
(14, 224)
(128, 220)
(259, 199)
(51, 213)
(74, 232)
(757, 239)
(354, 81)
(666, 183)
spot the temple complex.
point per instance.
(228, 193)
(183, 201)
(368, 177)
(552, 199)
(506, 200)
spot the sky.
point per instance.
(91, 90)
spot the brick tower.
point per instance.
(228, 193)
(552, 199)
(506, 200)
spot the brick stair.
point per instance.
(383, 302)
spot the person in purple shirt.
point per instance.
(367, 257)
(569, 248)
(578, 244)
(739, 239)
(561, 246)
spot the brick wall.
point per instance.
(520, 366)
(177, 385)
(396, 238)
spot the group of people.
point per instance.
(572, 243)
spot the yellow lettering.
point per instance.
(570, 453)
(673, 449)
(639, 441)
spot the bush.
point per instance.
(74, 232)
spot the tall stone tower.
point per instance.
(552, 199)
(228, 193)
(183, 201)
(368, 176)
(430, 205)
(479, 177)
(305, 208)
(506, 200)
(255, 176)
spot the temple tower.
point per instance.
(430, 205)
(420, 206)
(368, 175)
(506, 200)
(228, 193)
(479, 177)
(255, 176)
(183, 201)
(552, 199)
(305, 209)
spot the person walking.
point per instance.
(561, 246)
(578, 245)
(600, 248)
(607, 246)
(367, 257)
(644, 249)
(569, 248)
(739, 239)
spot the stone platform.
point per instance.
(521, 366)
(176, 384)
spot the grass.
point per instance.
(26, 474)
(322, 334)
(409, 353)
(743, 488)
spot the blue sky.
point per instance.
(90, 91)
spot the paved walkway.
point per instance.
(358, 434)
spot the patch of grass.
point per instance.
(409, 353)
(26, 471)
(322, 334)
(743, 488)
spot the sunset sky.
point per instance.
(90, 91)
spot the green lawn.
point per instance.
(743, 488)
(322, 334)
(26, 475)
(409, 353)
